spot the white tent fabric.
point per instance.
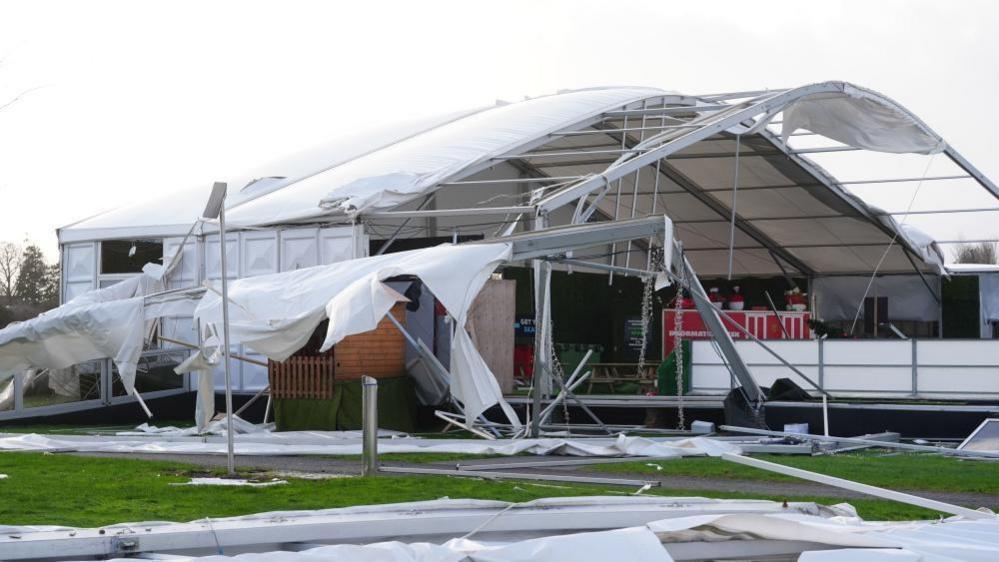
(849, 538)
(74, 334)
(404, 170)
(318, 443)
(171, 214)
(860, 118)
(785, 209)
(109, 322)
(929, 541)
(276, 314)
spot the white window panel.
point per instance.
(299, 248)
(81, 262)
(213, 260)
(76, 289)
(259, 253)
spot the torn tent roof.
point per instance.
(789, 214)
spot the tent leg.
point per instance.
(542, 283)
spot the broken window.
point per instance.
(128, 256)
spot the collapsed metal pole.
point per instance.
(230, 445)
(858, 487)
(711, 317)
(862, 441)
(369, 426)
(491, 474)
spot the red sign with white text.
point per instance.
(763, 324)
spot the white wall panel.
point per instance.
(342, 243)
(213, 259)
(299, 248)
(258, 253)
(867, 352)
(185, 274)
(958, 352)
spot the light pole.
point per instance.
(216, 209)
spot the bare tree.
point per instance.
(11, 257)
(980, 252)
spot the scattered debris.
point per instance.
(229, 482)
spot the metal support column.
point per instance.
(542, 285)
(369, 427)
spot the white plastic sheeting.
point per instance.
(861, 118)
(276, 314)
(109, 322)
(925, 541)
(74, 334)
(315, 443)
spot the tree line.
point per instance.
(28, 285)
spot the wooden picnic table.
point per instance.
(616, 373)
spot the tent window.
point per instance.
(128, 256)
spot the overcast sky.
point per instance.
(130, 99)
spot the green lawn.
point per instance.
(904, 471)
(83, 491)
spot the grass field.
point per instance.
(84, 491)
(898, 471)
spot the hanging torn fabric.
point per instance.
(276, 314)
(862, 119)
(108, 322)
(74, 334)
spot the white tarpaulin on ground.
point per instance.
(833, 536)
(108, 322)
(276, 314)
(925, 541)
(862, 119)
(314, 443)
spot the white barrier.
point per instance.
(930, 368)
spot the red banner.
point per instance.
(763, 324)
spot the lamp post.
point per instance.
(216, 209)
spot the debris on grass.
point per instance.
(311, 475)
(229, 482)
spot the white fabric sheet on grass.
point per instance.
(276, 314)
(230, 482)
(310, 444)
(930, 541)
